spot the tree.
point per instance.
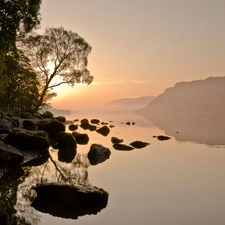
(58, 57)
(19, 90)
(17, 17)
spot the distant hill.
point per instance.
(129, 104)
(118, 102)
(195, 96)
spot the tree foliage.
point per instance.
(17, 17)
(58, 57)
(19, 91)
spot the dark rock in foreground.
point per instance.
(122, 147)
(103, 131)
(69, 201)
(163, 138)
(9, 156)
(52, 127)
(139, 144)
(98, 154)
(27, 141)
(32, 158)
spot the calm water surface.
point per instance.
(174, 182)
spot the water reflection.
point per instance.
(69, 201)
(16, 197)
(204, 128)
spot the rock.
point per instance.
(26, 115)
(10, 156)
(95, 121)
(92, 127)
(111, 126)
(122, 147)
(116, 140)
(85, 120)
(127, 123)
(5, 126)
(47, 114)
(139, 144)
(103, 130)
(14, 121)
(104, 123)
(37, 115)
(73, 127)
(85, 125)
(163, 138)
(98, 154)
(52, 127)
(61, 119)
(35, 158)
(69, 201)
(66, 141)
(27, 141)
(67, 147)
(81, 139)
(66, 155)
(29, 124)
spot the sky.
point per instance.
(139, 47)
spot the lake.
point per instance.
(172, 182)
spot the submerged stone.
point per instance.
(122, 147)
(163, 138)
(139, 144)
(116, 140)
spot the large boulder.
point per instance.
(52, 127)
(9, 156)
(27, 141)
(98, 154)
(69, 201)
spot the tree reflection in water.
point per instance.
(16, 197)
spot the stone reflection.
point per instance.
(69, 201)
(16, 195)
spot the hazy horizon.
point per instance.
(142, 47)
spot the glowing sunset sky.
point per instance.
(140, 47)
